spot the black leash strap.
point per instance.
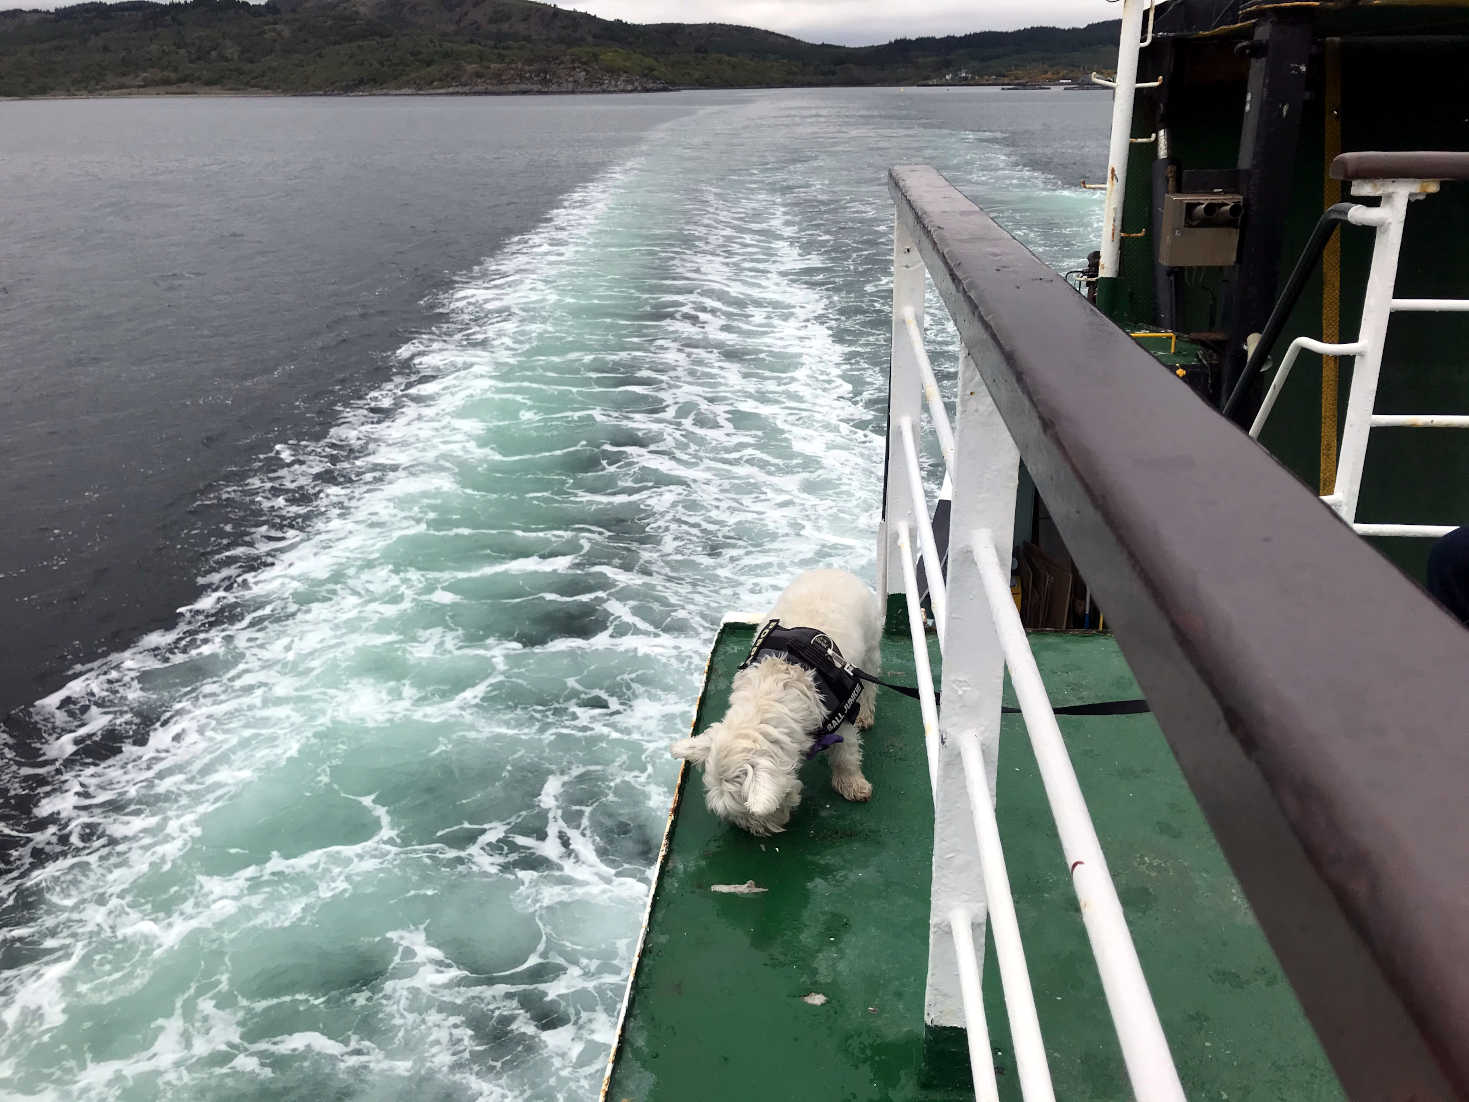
(906, 690)
(1102, 708)
(1096, 708)
(828, 650)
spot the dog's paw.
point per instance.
(853, 787)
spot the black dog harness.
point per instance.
(837, 681)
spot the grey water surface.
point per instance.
(452, 427)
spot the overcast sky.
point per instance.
(851, 22)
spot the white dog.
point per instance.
(751, 756)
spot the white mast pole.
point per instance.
(1122, 97)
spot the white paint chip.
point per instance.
(816, 998)
(749, 887)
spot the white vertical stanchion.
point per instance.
(905, 400)
(1372, 334)
(973, 677)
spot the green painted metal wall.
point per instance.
(1406, 96)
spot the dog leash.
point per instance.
(840, 682)
(1096, 708)
(1100, 708)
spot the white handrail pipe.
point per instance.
(922, 671)
(1409, 531)
(1144, 1046)
(1431, 305)
(1097, 78)
(931, 393)
(981, 1060)
(1148, 38)
(1368, 216)
(1025, 1026)
(973, 680)
(1283, 372)
(1420, 421)
(933, 564)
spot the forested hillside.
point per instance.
(338, 46)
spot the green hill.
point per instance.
(337, 46)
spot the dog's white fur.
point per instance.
(752, 756)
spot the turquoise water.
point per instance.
(387, 825)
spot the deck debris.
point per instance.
(816, 998)
(749, 887)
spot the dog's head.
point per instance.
(741, 785)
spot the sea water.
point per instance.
(375, 818)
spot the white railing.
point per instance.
(1378, 306)
(979, 634)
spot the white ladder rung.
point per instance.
(1097, 78)
(1420, 421)
(1418, 531)
(1431, 305)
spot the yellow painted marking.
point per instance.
(1331, 275)
(1151, 334)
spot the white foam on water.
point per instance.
(382, 807)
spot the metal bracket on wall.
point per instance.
(1097, 78)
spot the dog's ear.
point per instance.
(762, 791)
(695, 750)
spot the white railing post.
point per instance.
(905, 400)
(1372, 335)
(973, 676)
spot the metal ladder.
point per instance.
(1398, 179)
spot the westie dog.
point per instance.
(751, 757)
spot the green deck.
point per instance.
(717, 1011)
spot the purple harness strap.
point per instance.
(831, 738)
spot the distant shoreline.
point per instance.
(483, 48)
(211, 92)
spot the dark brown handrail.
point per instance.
(1314, 697)
(1428, 164)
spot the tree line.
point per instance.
(344, 46)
